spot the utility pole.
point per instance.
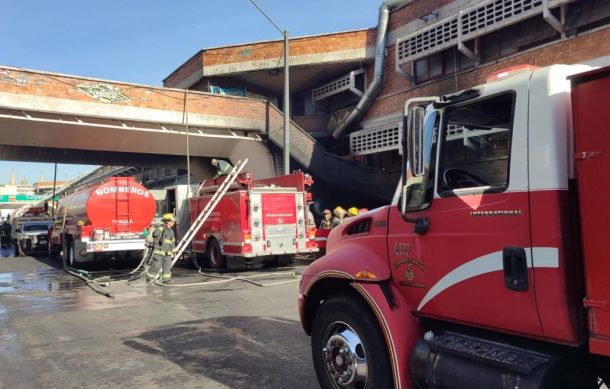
(54, 185)
(286, 91)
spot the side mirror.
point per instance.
(415, 124)
(419, 124)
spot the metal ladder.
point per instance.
(122, 205)
(205, 213)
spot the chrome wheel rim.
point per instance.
(344, 357)
(71, 255)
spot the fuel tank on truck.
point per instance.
(118, 205)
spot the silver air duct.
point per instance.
(373, 90)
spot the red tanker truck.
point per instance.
(103, 218)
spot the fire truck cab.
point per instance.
(473, 276)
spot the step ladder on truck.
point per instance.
(202, 216)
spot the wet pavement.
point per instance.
(55, 332)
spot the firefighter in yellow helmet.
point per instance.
(338, 218)
(353, 211)
(164, 245)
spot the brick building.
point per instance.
(432, 48)
(347, 94)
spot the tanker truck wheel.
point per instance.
(70, 259)
(52, 250)
(68, 253)
(214, 257)
(348, 347)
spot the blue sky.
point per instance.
(143, 41)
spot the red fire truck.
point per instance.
(102, 218)
(490, 268)
(255, 221)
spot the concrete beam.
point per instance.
(65, 106)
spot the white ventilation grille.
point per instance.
(345, 83)
(492, 15)
(470, 23)
(375, 140)
(459, 132)
(427, 41)
(332, 88)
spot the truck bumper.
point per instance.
(115, 245)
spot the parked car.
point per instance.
(33, 237)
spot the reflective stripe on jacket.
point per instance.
(164, 241)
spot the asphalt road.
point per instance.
(57, 333)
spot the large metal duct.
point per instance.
(373, 90)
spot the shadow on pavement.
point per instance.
(52, 262)
(236, 351)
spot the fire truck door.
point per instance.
(469, 264)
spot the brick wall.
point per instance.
(141, 96)
(272, 50)
(297, 46)
(312, 123)
(396, 90)
(414, 11)
(185, 71)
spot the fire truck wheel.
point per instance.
(69, 254)
(348, 347)
(52, 251)
(282, 260)
(214, 255)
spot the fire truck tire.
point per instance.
(52, 250)
(214, 257)
(71, 260)
(346, 334)
(69, 257)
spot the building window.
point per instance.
(298, 106)
(302, 105)
(515, 38)
(440, 65)
(585, 15)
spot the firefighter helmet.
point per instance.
(338, 211)
(169, 217)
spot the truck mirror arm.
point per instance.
(420, 224)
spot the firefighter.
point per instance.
(222, 167)
(4, 239)
(339, 213)
(164, 246)
(311, 221)
(326, 223)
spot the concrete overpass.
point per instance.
(61, 118)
